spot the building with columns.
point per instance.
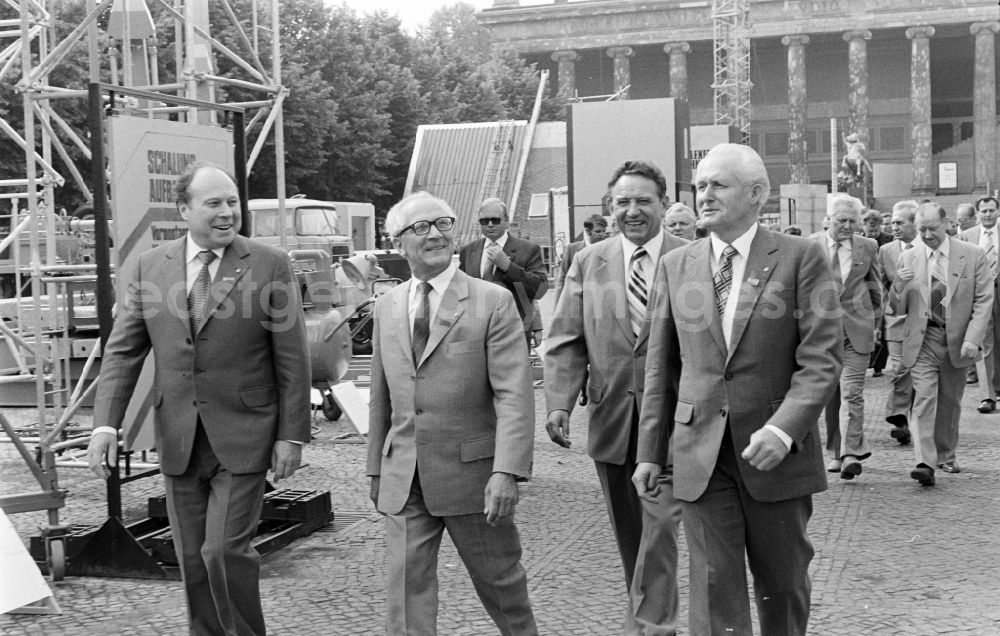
(916, 80)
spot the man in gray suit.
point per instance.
(595, 229)
(451, 426)
(854, 265)
(745, 327)
(223, 317)
(601, 321)
(944, 288)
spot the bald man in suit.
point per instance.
(745, 325)
(451, 427)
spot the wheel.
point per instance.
(331, 410)
(361, 340)
(57, 559)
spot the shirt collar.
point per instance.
(742, 244)
(944, 249)
(831, 242)
(192, 250)
(502, 241)
(652, 246)
(439, 283)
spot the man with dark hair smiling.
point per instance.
(987, 236)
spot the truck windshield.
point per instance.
(308, 221)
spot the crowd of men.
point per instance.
(704, 345)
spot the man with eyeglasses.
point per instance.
(506, 260)
(601, 324)
(449, 369)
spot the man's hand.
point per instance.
(500, 497)
(285, 459)
(969, 350)
(557, 425)
(103, 446)
(904, 274)
(878, 334)
(496, 254)
(646, 480)
(765, 450)
(373, 490)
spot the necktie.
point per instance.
(939, 289)
(490, 267)
(198, 298)
(835, 265)
(636, 290)
(991, 251)
(422, 321)
(724, 278)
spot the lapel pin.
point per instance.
(228, 279)
(767, 269)
(445, 322)
(754, 281)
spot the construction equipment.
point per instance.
(731, 56)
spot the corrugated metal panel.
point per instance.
(450, 164)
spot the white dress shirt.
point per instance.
(438, 286)
(653, 247)
(846, 255)
(485, 261)
(194, 263)
(944, 249)
(742, 246)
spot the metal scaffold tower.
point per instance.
(731, 55)
(41, 331)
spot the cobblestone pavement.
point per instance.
(891, 557)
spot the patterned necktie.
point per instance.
(724, 278)
(490, 267)
(991, 251)
(636, 290)
(198, 298)
(939, 288)
(422, 321)
(835, 265)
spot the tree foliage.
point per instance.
(357, 89)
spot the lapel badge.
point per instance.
(228, 279)
(767, 269)
(754, 281)
(445, 322)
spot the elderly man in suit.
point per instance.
(897, 405)
(987, 236)
(747, 321)
(506, 260)
(854, 264)
(680, 220)
(595, 228)
(945, 290)
(601, 321)
(451, 427)
(223, 317)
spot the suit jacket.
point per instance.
(972, 235)
(465, 411)
(969, 303)
(591, 326)
(781, 367)
(246, 374)
(861, 294)
(567, 259)
(888, 256)
(526, 278)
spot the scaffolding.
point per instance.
(731, 55)
(50, 286)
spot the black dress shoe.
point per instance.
(987, 406)
(876, 374)
(898, 421)
(950, 467)
(901, 435)
(924, 474)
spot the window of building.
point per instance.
(775, 143)
(942, 137)
(539, 205)
(967, 128)
(891, 139)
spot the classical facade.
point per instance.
(914, 79)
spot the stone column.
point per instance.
(678, 69)
(984, 105)
(620, 55)
(797, 106)
(857, 69)
(566, 73)
(920, 108)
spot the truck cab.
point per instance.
(309, 225)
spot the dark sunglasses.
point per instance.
(490, 220)
(420, 228)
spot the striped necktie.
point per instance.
(422, 321)
(991, 250)
(939, 288)
(198, 298)
(724, 278)
(636, 290)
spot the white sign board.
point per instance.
(20, 581)
(947, 175)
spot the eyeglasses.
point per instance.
(421, 228)
(490, 220)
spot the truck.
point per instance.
(310, 224)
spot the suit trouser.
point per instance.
(722, 526)
(937, 405)
(845, 413)
(213, 518)
(989, 379)
(491, 554)
(901, 395)
(646, 534)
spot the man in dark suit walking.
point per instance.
(506, 260)
(747, 322)
(223, 317)
(600, 321)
